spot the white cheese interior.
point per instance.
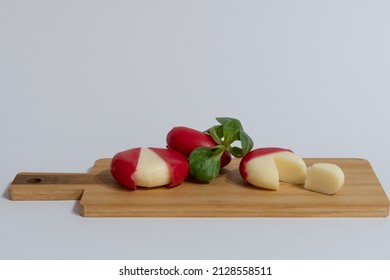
(262, 172)
(324, 178)
(152, 170)
(291, 167)
(266, 171)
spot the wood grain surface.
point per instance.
(226, 196)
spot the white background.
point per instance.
(150, 269)
(82, 80)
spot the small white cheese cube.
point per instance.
(324, 178)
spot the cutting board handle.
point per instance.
(50, 186)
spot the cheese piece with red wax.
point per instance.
(266, 167)
(149, 167)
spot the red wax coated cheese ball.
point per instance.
(149, 167)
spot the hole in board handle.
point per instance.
(33, 180)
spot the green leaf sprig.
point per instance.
(205, 163)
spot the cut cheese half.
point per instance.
(266, 171)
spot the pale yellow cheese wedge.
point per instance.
(324, 178)
(291, 167)
(266, 171)
(262, 172)
(152, 170)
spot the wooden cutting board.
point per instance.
(226, 196)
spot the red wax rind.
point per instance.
(123, 166)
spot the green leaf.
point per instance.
(225, 120)
(205, 163)
(246, 146)
(246, 143)
(216, 132)
(235, 151)
(231, 129)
